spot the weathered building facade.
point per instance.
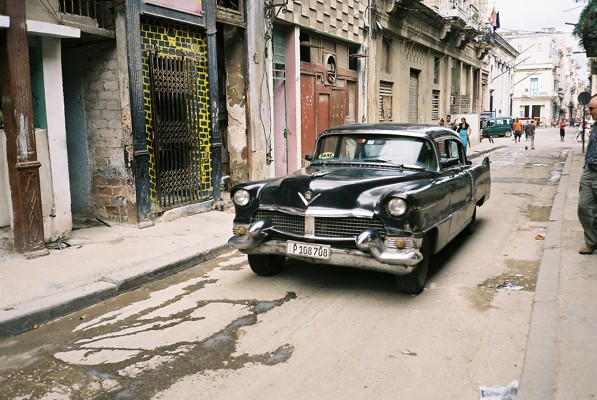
(542, 75)
(498, 78)
(163, 97)
(136, 133)
(425, 61)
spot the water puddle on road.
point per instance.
(162, 333)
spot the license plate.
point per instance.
(311, 250)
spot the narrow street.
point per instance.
(312, 332)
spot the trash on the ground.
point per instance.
(500, 392)
(58, 245)
(103, 222)
(540, 236)
(519, 275)
(510, 286)
(408, 352)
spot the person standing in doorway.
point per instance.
(587, 199)
(562, 129)
(517, 127)
(464, 130)
(529, 131)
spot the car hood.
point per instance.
(341, 187)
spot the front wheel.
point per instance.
(414, 283)
(266, 264)
(508, 133)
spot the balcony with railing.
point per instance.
(457, 8)
(92, 16)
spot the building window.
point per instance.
(534, 88)
(385, 101)
(305, 47)
(435, 94)
(386, 65)
(436, 70)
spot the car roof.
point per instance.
(420, 130)
(505, 117)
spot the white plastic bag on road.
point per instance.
(500, 392)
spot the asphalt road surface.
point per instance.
(217, 331)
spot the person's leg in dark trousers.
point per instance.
(587, 208)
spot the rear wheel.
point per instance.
(266, 264)
(508, 133)
(414, 283)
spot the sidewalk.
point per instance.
(560, 358)
(561, 354)
(102, 262)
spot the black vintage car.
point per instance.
(382, 197)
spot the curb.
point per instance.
(538, 378)
(29, 315)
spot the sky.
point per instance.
(533, 15)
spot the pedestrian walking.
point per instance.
(483, 133)
(517, 126)
(464, 130)
(529, 131)
(587, 199)
(562, 129)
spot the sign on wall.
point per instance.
(188, 6)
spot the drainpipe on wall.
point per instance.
(214, 95)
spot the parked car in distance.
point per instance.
(382, 197)
(498, 126)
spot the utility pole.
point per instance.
(17, 107)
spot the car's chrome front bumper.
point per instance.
(372, 251)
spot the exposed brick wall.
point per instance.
(105, 133)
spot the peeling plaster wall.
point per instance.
(236, 105)
(40, 11)
(259, 96)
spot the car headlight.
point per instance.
(397, 207)
(241, 197)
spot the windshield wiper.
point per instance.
(381, 160)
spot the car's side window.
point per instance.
(451, 153)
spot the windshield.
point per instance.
(399, 150)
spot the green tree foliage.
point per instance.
(587, 22)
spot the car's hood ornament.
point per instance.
(319, 174)
(308, 197)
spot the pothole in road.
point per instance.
(521, 275)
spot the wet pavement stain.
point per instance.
(537, 213)
(102, 359)
(521, 275)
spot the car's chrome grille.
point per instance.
(330, 227)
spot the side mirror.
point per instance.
(308, 157)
